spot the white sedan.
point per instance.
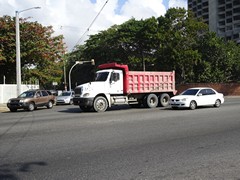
(65, 98)
(194, 97)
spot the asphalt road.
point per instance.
(122, 143)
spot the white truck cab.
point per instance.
(107, 82)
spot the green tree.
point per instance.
(220, 60)
(179, 31)
(131, 42)
(41, 52)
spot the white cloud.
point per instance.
(177, 3)
(73, 17)
(141, 9)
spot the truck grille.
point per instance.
(14, 101)
(78, 92)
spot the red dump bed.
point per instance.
(141, 82)
(144, 81)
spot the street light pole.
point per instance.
(64, 74)
(18, 56)
(69, 81)
(77, 62)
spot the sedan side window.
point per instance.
(44, 93)
(210, 92)
(203, 92)
(38, 94)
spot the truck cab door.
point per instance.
(116, 82)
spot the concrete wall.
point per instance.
(228, 89)
(8, 91)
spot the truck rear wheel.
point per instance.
(164, 100)
(151, 101)
(100, 104)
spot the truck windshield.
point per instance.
(102, 76)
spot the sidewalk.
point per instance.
(3, 108)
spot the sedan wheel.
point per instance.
(71, 102)
(13, 109)
(193, 105)
(31, 107)
(217, 103)
(50, 105)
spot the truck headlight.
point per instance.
(21, 101)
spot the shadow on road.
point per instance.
(11, 171)
(76, 109)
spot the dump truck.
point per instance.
(114, 84)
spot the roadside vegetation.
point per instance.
(177, 41)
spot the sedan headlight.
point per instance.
(184, 99)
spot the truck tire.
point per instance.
(151, 101)
(164, 100)
(100, 104)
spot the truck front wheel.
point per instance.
(100, 104)
(151, 101)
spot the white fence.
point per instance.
(8, 91)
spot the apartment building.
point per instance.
(222, 16)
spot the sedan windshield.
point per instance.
(66, 94)
(102, 76)
(27, 94)
(192, 92)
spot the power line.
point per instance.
(80, 39)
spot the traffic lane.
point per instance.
(125, 141)
(163, 124)
(179, 159)
(53, 121)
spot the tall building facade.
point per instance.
(222, 16)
